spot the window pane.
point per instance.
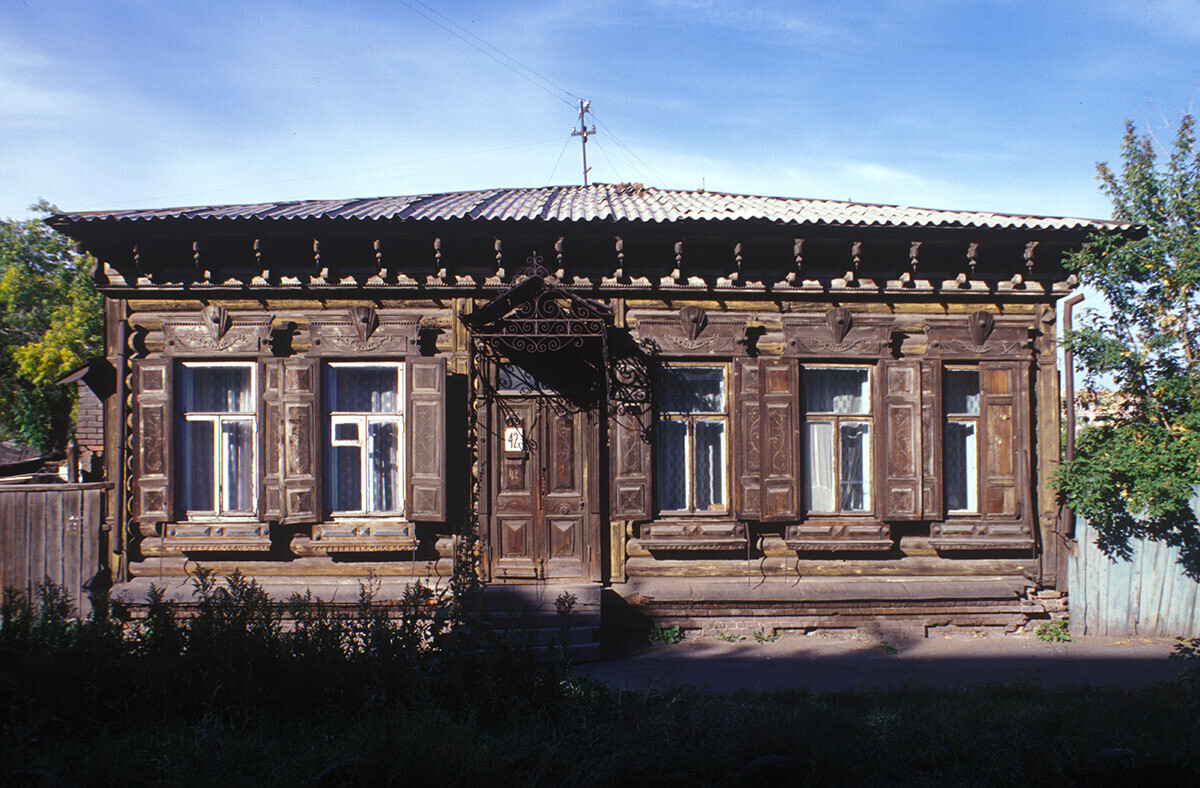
(671, 471)
(691, 390)
(345, 479)
(855, 466)
(196, 466)
(345, 431)
(819, 464)
(962, 392)
(837, 391)
(383, 479)
(218, 390)
(364, 390)
(709, 464)
(961, 467)
(237, 466)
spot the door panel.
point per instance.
(542, 524)
(515, 506)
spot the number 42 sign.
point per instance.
(514, 439)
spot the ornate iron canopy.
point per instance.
(536, 316)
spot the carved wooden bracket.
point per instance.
(694, 332)
(839, 332)
(215, 330)
(978, 336)
(839, 319)
(693, 319)
(362, 330)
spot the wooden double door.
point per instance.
(545, 507)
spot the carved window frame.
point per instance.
(218, 420)
(870, 470)
(210, 336)
(330, 419)
(1001, 350)
(690, 419)
(841, 337)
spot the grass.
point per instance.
(408, 700)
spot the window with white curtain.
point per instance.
(216, 463)
(363, 467)
(960, 392)
(691, 440)
(837, 440)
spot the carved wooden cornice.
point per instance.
(362, 330)
(694, 331)
(977, 336)
(836, 333)
(216, 330)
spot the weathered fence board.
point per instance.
(51, 532)
(1146, 594)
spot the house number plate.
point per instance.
(514, 440)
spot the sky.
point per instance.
(988, 105)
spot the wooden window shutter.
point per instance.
(631, 464)
(299, 426)
(932, 501)
(748, 456)
(1004, 413)
(426, 439)
(153, 485)
(1005, 519)
(271, 437)
(767, 459)
(901, 438)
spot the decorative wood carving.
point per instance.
(694, 332)
(838, 333)
(356, 536)
(215, 330)
(693, 535)
(978, 337)
(838, 535)
(363, 331)
(979, 325)
(693, 319)
(839, 319)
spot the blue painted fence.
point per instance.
(1146, 595)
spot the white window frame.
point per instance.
(218, 419)
(973, 444)
(363, 422)
(836, 419)
(690, 419)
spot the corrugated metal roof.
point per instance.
(598, 202)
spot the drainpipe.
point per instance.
(1069, 363)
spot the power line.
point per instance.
(629, 152)
(610, 163)
(559, 159)
(511, 63)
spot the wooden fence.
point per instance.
(51, 532)
(1148, 594)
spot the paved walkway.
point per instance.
(835, 664)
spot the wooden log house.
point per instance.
(728, 412)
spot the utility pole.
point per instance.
(583, 131)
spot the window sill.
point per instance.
(837, 533)
(384, 533)
(688, 533)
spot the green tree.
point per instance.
(1133, 474)
(50, 323)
